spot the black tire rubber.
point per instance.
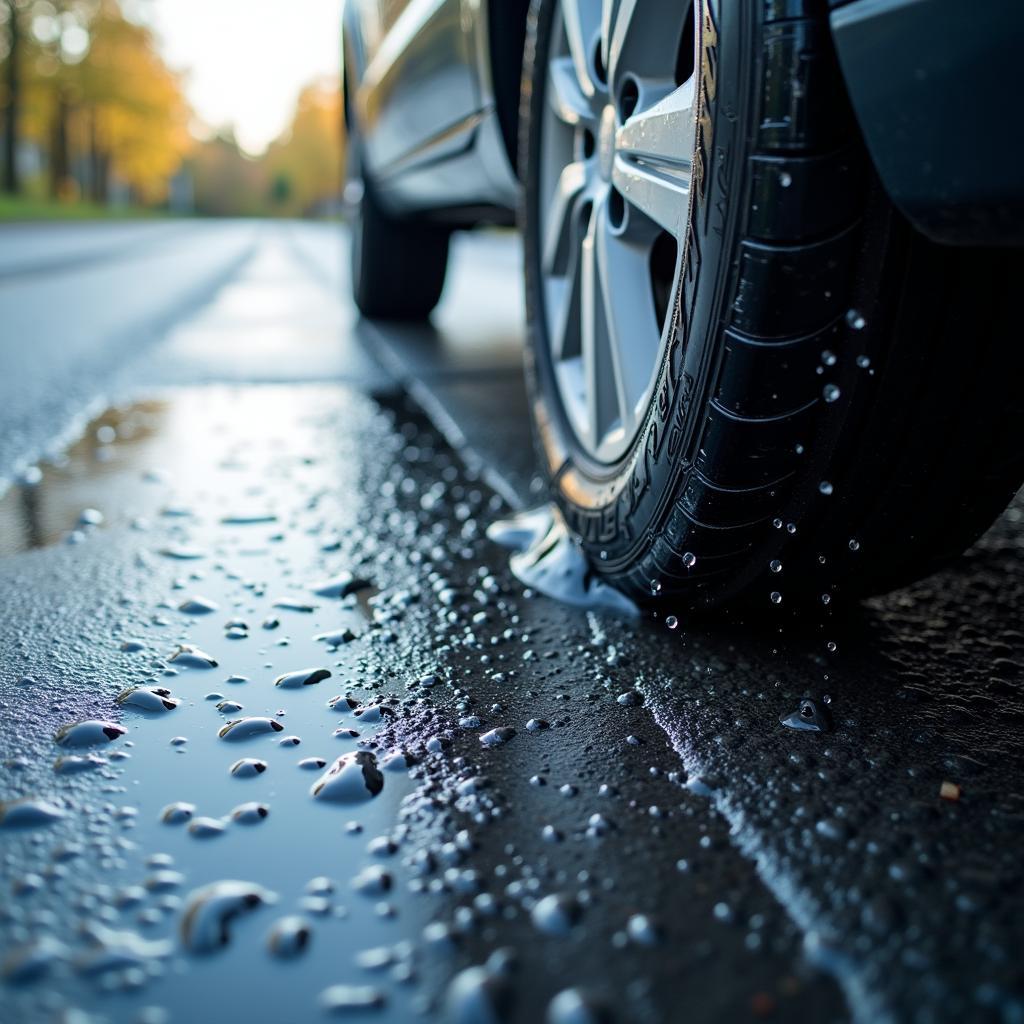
(398, 265)
(798, 275)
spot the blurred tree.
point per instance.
(137, 115)
(131, 117)
(309, 154)
(280, 190)
(12, 53)
(83, 84)
(53, 75)
(228, 183)
(94, 94)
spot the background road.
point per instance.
(650, 835)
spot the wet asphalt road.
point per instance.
(649, 841)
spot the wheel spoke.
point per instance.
(609, 15)
(633, 331)
(563, 297)
(638, 38)
(616, 30)
(565, 95)
(582, 19)
(559, 236)
(608, 193)
(654, 158)
(598, 369)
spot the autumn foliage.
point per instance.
(88, 90)
(299, 175)
(305, 164)
(90, 110)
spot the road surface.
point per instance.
(538, 812)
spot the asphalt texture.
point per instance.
(542, 812)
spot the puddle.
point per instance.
(54, 500)
(546, 557)
(464, 781)
(190, 854)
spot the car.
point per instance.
(772, 257)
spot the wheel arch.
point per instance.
(506, 29)
(347, 64)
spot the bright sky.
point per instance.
(247, 59)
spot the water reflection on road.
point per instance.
(483, 757)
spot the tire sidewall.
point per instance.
(614, 509)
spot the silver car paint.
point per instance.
(421, 95)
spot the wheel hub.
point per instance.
(616, 139)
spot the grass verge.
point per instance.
(24, 208)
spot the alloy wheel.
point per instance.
(617, 140)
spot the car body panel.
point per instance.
(418, 80)
(935, 87)
(931, 83)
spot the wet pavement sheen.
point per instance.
(218, 563)
(495, 806)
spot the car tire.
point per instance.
(835, 406)
(398, 265)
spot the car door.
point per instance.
(415, 91)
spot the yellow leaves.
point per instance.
(139, 111)
(305, 164)
(110, 119)
(300, 174)
(226, 182)
(123, 108)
